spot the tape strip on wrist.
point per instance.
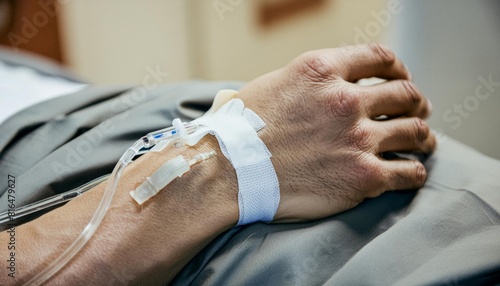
(235, 128)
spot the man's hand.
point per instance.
(324, 134)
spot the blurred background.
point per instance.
(451, 46)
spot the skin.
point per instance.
(326, 141)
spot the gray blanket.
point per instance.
(447, 233)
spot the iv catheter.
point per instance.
(169, 133)
(164, 136)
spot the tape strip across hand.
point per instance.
(235, 127)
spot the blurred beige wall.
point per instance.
(233, 45)
(115, 40)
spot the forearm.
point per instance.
(135, 243)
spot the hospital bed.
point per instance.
(447, 233)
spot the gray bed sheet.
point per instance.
(447, 233)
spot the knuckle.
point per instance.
(421, 129)
(376, 174)
(373, 177)
(316, 65)
(360, 138)
(343, 103)
(412, 94)
(383, 53)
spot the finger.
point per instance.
(394, 98)
(373, 60)
(403, 134)
(351, 64)
(404, 174)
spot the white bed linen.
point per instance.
(21, 87)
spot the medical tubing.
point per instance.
(50, 201)
(94, 223)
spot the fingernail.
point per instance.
(429, 106)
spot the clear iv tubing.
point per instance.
(147, 141)
(96, 220)
(51, 201)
